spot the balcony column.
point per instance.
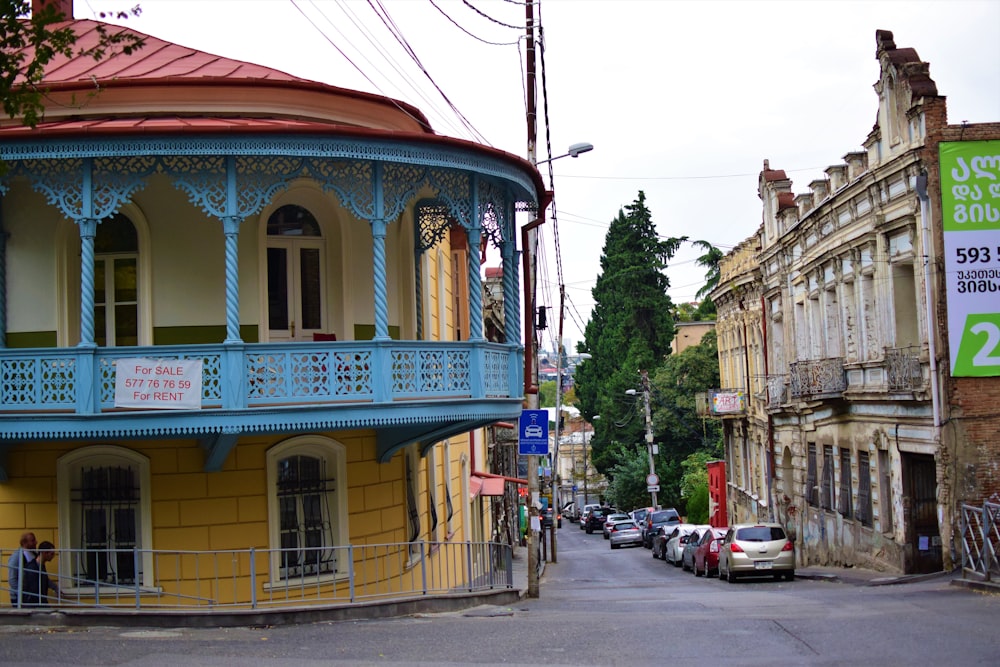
(231, 228)
(475, 235)
(234, 395)
(86, 387)
(3, 280)
(378, 224)
(511, 306)
(475, 286)
(88, 231)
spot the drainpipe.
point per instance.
(925, 228)
(528, 261)
(770, 425)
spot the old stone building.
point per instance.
(833, 317)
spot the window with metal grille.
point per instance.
(306, 532)
(826, 493)
(863, 513)
(846, 507)
(449, 507)
(412, 511)
(885, 492)
(811, 490)
(432, 502)
(105, 504)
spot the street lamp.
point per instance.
(649, 433)
(593, 419)
(574, 151)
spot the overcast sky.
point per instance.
(682, 100)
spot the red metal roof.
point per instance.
(158, 59)
(166, 124)
(162, 63)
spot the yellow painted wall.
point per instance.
(194, 510)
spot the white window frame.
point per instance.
(411, 486)
(335, 456)
(433, 524)
(449, 501)
(67, 474)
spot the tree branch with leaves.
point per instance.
(28, 47)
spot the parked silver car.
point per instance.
(612, 519)
(625, 533)
(761, 549)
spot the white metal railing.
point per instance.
(981, 542)
(252, 578)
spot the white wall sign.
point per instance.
(159, 384)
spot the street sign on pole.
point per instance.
(652, 488)
(533, 433)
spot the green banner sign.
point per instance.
(970, 208)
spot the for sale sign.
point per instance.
(158, 384)
(970, 205)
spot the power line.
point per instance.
(685, 178)
(397, 34)
(486, 16)
(367, 34)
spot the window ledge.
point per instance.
(108, 589)
(308, 581)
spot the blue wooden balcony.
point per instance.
(408, 391)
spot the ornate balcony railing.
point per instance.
(777, 390)
(817, 377)
(66, 392)
(902, 369)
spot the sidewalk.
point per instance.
(859, 576)
(520, 569)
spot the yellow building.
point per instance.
(241, 339)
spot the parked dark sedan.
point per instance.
(655, 519)
(595, 521)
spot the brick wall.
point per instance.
(971, 406)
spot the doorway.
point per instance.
(296, 275)
(920, 505)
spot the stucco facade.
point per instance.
(853, 421)
(305, 250)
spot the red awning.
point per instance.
(493, 486)
(475, 486)
(488, 484)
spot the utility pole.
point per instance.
(529, 344)
(556, 500)
(649, 431)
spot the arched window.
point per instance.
(307, 508)
(104, 516)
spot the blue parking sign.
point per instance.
(533, 433)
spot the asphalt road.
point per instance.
(597, 607)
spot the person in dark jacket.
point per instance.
(46, 552)
(35, 582)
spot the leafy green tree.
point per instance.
(677, 426)
(28, 46)
(630, 330)
(547, 394)
(710, 262)
(697, 504)
(694, 485)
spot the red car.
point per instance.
(706, 556)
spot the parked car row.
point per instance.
(749, 550)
